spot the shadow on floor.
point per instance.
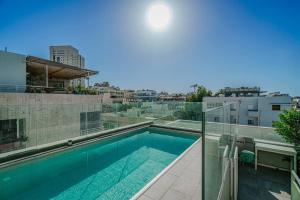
(263, 184)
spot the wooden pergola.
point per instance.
(51, 69)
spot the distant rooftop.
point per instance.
(241, 91)
(63, 46)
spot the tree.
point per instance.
(289, 126)
(199, 94)
(191, 111)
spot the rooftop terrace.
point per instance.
(31, 128)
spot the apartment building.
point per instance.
(68, 55)
(256, 110)
(146, 95)
(164, 96)
(112, 94)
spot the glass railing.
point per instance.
(295, 186)
(27, 126)
(12, 88)
(220, 131)
(185, 115)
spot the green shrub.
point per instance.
(289, 126)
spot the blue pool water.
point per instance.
(114, 168)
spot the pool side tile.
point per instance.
(176, 195)
(144, 197)
(157, 190)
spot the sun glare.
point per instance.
(159, 16)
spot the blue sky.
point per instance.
(215, 43)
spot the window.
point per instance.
(90, 122)
(233, 107)
(217, 119)
(12, 130)
(232, 119)
(275, 107)
(250, 122)
(252, 108)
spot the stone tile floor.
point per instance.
(263, 184)
(181, 181)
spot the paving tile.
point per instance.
(181, 181)
(179, 168)
(176, 195)
(186, 186)
(264, 184)
(197, 194)
(156, 192)
(166, 180)
(159, 188)
(144, 197)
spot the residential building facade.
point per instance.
(164, 96)
(111, 94)
(253, 110)
(146, 95)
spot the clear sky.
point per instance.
(215, 43)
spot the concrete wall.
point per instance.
(13, 72)
(48, 117)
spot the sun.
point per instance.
(159, 16)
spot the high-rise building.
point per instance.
(68, 55)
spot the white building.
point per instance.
(253, 110)
(146, 95)
(296, 102)
(68, 55)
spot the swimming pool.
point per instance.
(114, 168)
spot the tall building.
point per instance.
(68, 55)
